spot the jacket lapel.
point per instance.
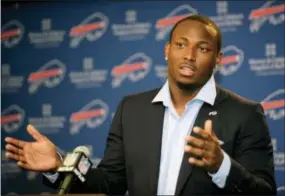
(155, 126)
(205, 113)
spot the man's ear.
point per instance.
(219, 59)
(166, 50)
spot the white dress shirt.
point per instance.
(175, 128)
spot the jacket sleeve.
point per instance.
(110, 175)
(252, 165)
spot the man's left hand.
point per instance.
(207, 148)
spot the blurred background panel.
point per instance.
(65, 66)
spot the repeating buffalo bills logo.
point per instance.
(135, 68)
(92, 28)
(232, 60)
(11, 33)
(49, 75)
(92, 115)
(164, 25)
(12, 118)
(273, 14)
(274, 104)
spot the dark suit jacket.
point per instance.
(132, 155)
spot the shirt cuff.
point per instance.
(52, 177)
(220, 177)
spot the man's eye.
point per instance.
(180, 45)
(203, 49)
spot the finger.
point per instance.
(15, 142)
(24, 165)
(15, 157)
(196, 162)
(35, 133)
(193, 141)
(14, 149)
(208, 126)
(195, 151)
(201, 132)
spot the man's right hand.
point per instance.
(39, 155)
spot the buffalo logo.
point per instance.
(273, 14)
(164, 25)
(12, 33)
(135, 68)
(92, 28)
(49, 75)
(232, 60)
(92, 115)
(274, 104)
(12, 118)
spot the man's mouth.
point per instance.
(187, 70)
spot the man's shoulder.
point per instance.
(237, 101)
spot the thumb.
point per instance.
(35, 133)
(209, 128)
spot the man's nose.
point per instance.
(190, 54)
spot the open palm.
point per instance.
(39, 155)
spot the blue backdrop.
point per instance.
(66, 66)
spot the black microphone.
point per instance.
(75, 166)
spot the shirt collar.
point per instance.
(207, 93)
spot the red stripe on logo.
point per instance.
(273, 104)
(44, 74)
(78, 116)
(267, 11)
(10, 118)
(11, 33)
(127, 68)
(229, 59)
(82, 29)
(169, 21)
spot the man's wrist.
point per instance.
(58, 162)
(218, 165)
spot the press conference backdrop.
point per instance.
(66, 66)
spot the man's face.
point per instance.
(192, 54)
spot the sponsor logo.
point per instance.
(274, 104)
(10, 83)
(161, 72)
(12, 33)
(91, 28)
(131, 30)
(91, 115)
(9, 169)
(47, 37)
(89, 77)
(12, 118)
(225, 20)
(232, 60)
(268, 12)
(49, 75)
(134, 68)
(270, 65)
(48, 123)
(164, 25)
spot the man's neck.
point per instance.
(180, 97)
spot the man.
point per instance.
(188, 138)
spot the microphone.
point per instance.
(75, 165)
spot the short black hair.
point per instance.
(202, 19)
